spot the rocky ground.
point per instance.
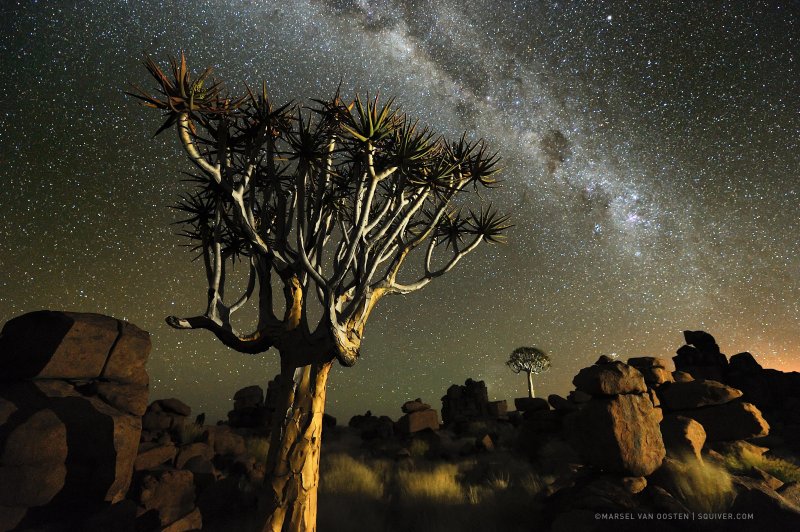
(635, 445)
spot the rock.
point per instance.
(739, 448)
(791, 493)
(498, 409)
(663, 501)
(32, 464)
(129, 398)
(417, 421)
(653, 369)
(191, 521)
(531, 404)
(695, 394)
(373, 427)
(328, 422)
(766, 505)
(604, 359)
(151, 456)
(701, 357)
(610, 379)
(647, 362)
(119, 517)
(578, 397)
(743, 363)
(634, 485)
(174, 406)
(249, 397)
(683, 437)
(559, 403)
(682, 376)
(170, 493)
(485, 443)
(764, 477)
(730, 421)
(618, 434)
(469, 402)
(225, 441)
(414, 406)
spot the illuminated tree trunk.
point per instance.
(293, 461)
(530, 384)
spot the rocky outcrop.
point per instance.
(701, 357)
(731, 421)
(653, 369)
(418, 417)
(249, 409)
(683, 437)
(696, 394)
(617, 430)
(72, 389)
(609, 378)
(469, 402)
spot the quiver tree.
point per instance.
(327, 204)
(531, 360)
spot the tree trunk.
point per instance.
(530, 384)
(292, 474)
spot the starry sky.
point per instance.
(651, 167)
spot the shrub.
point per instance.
(701, 486)
(744, 460)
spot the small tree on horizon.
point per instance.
(323, 205)
(531, 360)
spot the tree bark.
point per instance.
(530, 384)
(292, 475)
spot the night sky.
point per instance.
(651, 152)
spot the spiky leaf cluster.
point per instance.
(528, 359)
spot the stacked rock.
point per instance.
(617, 429)
(417, 416)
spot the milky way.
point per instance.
(651, 166)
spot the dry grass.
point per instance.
(702, 486)
(742, 462)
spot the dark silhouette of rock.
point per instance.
(224, 440)
(531, 404)
(373, 427)
(743, 363)
(701, 357)
(695, 394)
(559, 403)
(414, 406)
(72, 389)
(683, 437)
(418, 417)
(469, 402)
(768, 507)
(611, 378)
(730, 421)
(498, 409)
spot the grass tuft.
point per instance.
(742, 462)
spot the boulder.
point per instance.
(414, 406)
(248, 397)
(531, 404)
(174, 406)
(653, 369)
(187, 452)
(469, 402)
(373, 427)
(743, 363)
(682, 436)
(695, 394)
(417, 421)
(682, 376)
(224, 441)
(170, 493)
(730, 421)
(153, 455)
(559, 403)
(498, 409)
(701, 357)
(610, 378)
(578, 397)
(769, 508)
(618, 434)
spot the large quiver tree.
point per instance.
(530, 360)
(327, 203)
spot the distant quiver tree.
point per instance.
(531, 360)
(322, 205)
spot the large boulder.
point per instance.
(469, 402)
(610, 378)
(683, 437)
(73, 388)
(618, 434)
(695, 394)
(731, 421)
(701, 357)
(653, 369)
(417, 421)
